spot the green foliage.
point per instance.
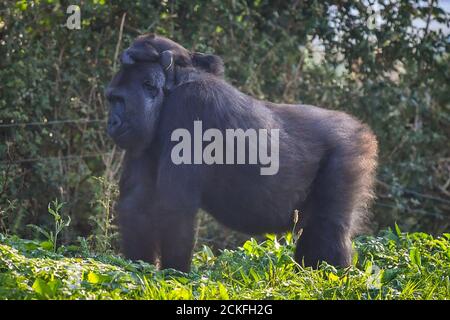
(59, 224)
(389, 266)
(4, 211)
(105, 233)
(394, 76)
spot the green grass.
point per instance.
(392, 265)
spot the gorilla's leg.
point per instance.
(177, 239)
(179, 196)
(139, 237)
(323, 241)
(336, 203)
(326, 234)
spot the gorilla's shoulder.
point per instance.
(211, 99)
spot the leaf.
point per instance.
(183, 280)
(47, 245)
(93, 278)
(332, 277)
(54, 285)
(244, 276)
(223, 292)
(368, 267)
(355, 258)
(97, 278)
(40, 286)
(389, 275)
(248, 247)
(31, 245)
(67, 223)
(208, 252)
(397, 230)
(414, 255)
(254, 275)
(288, 238)
(270, 236)
(40, 230)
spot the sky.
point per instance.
(445, 5)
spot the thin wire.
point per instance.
(377, 203)
(52, 122)
(88, 155)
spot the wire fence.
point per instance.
(49, 123)
(52, 122)
(43, 159)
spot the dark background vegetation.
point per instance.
(394, 76)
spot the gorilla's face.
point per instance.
(135, 96)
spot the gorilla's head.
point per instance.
(150, 68)
(135, 96)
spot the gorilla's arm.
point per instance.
(137, 217)
(156, 211)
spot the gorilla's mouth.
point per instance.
(119, 135)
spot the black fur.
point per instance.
(327, 167)
(147, 48)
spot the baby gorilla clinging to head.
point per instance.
(150, 48)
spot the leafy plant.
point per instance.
(59, 224)
(105, 231)
(4, 213)
(386, 267)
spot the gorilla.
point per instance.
(149, 46)
(323, 166)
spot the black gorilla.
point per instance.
(149, 46)
(327, 161)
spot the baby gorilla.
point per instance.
(326, 169)
(147, 48)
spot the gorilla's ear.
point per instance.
(209, 63)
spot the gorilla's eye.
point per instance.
(151, 88)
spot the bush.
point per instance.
(393, 265)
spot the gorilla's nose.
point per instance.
(114, 123)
